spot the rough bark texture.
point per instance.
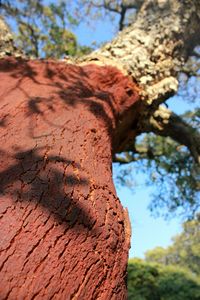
(64, 233)
(155, 47)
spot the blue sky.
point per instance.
(147, 232)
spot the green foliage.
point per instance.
(177, 284)
(142, 281)
(147, 281)
(157, 255)
(185, 250)
(170, 168)
(43, 30)
(176, 176)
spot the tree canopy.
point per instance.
(43, 29)
(184, 251)
(169, 273)
(147, 281)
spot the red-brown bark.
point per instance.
(63, 230)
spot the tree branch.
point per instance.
(166, 123)
(136, 155)
(122, 17)
(33, 36)
(151, 51)
(118, 8)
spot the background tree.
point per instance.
(185, 250)
(42, 30)
(147, 281)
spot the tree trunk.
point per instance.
(64, 233)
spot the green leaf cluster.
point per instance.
(147, 281)
(43, 29)
(176, 177)
(184, 251)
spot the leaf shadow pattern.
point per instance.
(70, 84)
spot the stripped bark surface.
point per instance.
(64, 233)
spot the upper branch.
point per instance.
(153, 49)
(166, 123)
